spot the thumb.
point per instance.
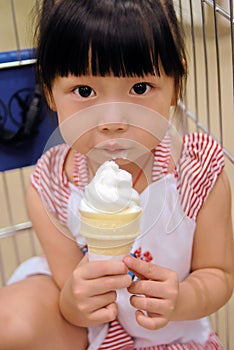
(84, 260)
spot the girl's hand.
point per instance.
(92, 291)
(155, 294)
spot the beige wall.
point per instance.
(23, 11)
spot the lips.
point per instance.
(111, 146)
(115, 150)
(115, 153)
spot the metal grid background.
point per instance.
(208, 25)
(209, 29)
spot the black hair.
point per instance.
(103, 37)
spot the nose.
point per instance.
(113, 127)
(112, 118)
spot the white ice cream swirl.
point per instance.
(110, 191)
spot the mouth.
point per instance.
(113, 150)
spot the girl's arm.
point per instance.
(62, 253)
(87, 289)
(210, 283)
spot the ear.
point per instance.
(175, 97)
(179, 90)
(174, 100)
(50, 99)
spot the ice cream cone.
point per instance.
(110, 234)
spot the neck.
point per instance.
(142, 174)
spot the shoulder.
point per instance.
(201, 146)
(50, 181)
(201, 163)
(49, 164)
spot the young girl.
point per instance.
(99, 53)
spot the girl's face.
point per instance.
(72, 94)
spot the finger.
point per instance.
(131, 271)
(150, 288)
(92, 304)
(102, 301)
(96, 269)
(145, 270)
(107, 283)
(153, 306)
(84, 260)
(104, 315)
(151, 323)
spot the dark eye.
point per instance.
(140, 88)
(84, 91)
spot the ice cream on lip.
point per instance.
(114, 149)
(110, 212)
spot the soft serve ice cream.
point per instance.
(110, 211)
(110, 191)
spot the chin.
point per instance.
(122, 161)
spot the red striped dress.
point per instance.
(196, 172)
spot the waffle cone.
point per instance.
(110, 234)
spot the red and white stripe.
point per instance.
(50, 181)
(112, 342)
(80, 173)
(162, 156)
(212, 343)
(200, 164)
(117, 338)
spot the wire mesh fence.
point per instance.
(209, 31)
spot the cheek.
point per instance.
(163, 109)
(65, 108)
(84, 143)
(162, 102)
(64, 113)
(145, 138)
(150, 141)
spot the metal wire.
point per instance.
(32, 243)
(232, 40)
(206, 65)
(215, 10)
(226, 19)
(10, 214)
(15, 29)
(194, 60)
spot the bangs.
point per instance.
(108, 38)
